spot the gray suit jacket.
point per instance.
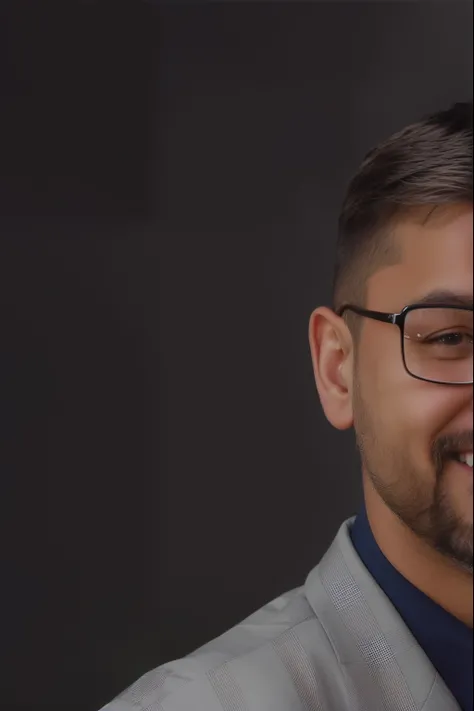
(336, 644)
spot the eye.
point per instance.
(451, 339)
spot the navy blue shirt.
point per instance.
(446, 641)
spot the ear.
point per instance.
(332, 355)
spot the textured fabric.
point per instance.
(227, 690)
(446, 641)
(335, 644)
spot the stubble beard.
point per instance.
(425, 509)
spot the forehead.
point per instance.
(435, 253)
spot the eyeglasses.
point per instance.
(436, 340)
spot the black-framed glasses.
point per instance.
(436, 340)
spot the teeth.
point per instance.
(467, 458)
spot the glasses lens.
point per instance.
(438, 344)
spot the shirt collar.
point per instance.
(447, 641)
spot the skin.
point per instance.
(419, 502)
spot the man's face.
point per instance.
(405, 426)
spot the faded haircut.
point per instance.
(428, 163)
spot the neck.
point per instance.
(439, 578)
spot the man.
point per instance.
(384, 622)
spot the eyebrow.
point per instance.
(445, 296)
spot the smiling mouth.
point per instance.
(465, 458)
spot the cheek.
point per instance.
(423, 414)
(405, 412)
(384, 374)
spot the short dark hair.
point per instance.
(426, 163)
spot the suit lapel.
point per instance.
(384, 665)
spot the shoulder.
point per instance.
(260, 658)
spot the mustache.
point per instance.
(453, 443)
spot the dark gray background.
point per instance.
(171, 178)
